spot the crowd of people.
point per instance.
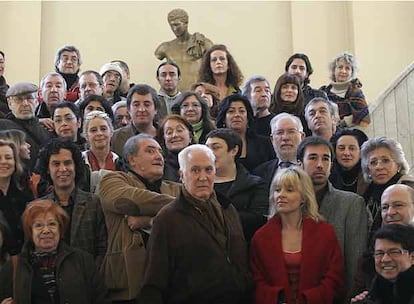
(227, 192)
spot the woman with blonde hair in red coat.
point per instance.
(295, 256)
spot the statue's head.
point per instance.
(178, 14)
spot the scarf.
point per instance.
(340, 88)
(45, 264)
(198, 130)
(211, 214)
(93, 161)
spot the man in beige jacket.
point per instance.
(130, 201)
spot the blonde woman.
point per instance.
(295, 256)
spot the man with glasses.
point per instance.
(112, 77)
(90, 83)
(67, 120)
(397, 207)
(393, 257)
(21, 99)
(67, 63)
(287, 133)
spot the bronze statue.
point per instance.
(186, 50)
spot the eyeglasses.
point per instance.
(96, 114)
(384, 161)
(289, 132)
(71, 59)
(112, 74)
(66, 118)
(21, 98)
(39, 226)
(192, 105)
(122, 117)
(392, 253)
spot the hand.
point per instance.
(7, 301)
(359, 297)
(47, 123)
(138, 222)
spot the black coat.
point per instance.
(36, 134)
(259, 150)
(249, 195)
(387, 292)
(77, 279)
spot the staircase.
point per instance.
(392, 113)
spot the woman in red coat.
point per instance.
(295, 256)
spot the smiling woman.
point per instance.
(47, 265)
(98, 130)
(174, 134)
(13, 195)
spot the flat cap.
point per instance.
(21, 88)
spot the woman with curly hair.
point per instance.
(345, 91)
(219, 68)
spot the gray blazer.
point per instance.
(346, 211)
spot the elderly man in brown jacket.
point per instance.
(130, 201)
(197, 252)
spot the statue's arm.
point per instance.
(161, 50)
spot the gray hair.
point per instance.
(119, 104)
(96, 114)
(333, 107)
(131, 147)
(53, 74)
(98, 76)
(348, 58)
(283, 115)
(67, 48)
(247, 89)
(183, 155)
(383, 142)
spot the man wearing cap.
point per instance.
(67, 63)
(22, 102)
(112, 77)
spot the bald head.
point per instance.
(397, 205)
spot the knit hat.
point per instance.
(110, 67)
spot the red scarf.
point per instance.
(94, 163)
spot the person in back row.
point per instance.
(67, 63)
(299, 65)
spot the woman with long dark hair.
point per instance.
(219, 68)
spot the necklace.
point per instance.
(349, 184)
